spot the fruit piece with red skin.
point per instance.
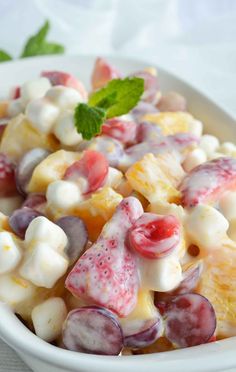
(122, 130)
(26, 165)
(148, 131)
(7, 177)
(92, 330)
(77, 235)
(65, 79)
(20, 220)
(106, 273)
(154, 236)
(102, 73)
(208, 181)
(189, 320)
(151, 86)
(35, 201)
(15, 92)
(172, 102)
(93, 167)
(145, 335)
(143, 108)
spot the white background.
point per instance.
(195, 39)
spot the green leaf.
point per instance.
(88, 120)
(4, 56)
(127, 93)
(37, 44)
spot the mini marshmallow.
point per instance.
(228, 148)
(193, 159)
(195, 127)
(232, 229)
(64, 97)
(15, 107)
(63, 194)
(15, 290)
(10, 253)
(227, 205)
(161, 275)
(43, 266)
(209, 143)
(65, 130)
(33, 89)
(48, 318)
(206, 226)
(43, 230)
(114, 177)
(42, 114)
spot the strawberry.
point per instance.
(154, 236)
(15, 92)
(208, 181)
(102, 73)
(93, 167)
(122, 130)
(65, 79)
(106, 273)
(7, 177)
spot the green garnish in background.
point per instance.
(117, 98)
(36, 45)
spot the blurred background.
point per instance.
(195, 39)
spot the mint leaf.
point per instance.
(88, 120)
(127, 93)
(37, 44)
(4, 56)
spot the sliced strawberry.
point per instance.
(154, 236)
(102, 73)
(68, 80)
(106, 273)
(208, 181)
(151, 86)
(93, 167)
(7, 177)
(122, 130)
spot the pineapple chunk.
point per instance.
(97, 210)
(217, 283)
(20, 137)
(51, 169)
(148, 178)
(171, 122)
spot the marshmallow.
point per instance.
(63, 194)
(162, 274)
(209, 143)
(65, 130)
(228, 148)
(10, 253)
(227, 205)
(206, 226)
(42, 114)
(15, 290)
(43, 266)
(48, 318)
(64, 97)
(114, 177)
(195, 127)
(33, 89)
(43, 230)
(194, 158)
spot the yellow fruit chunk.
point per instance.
(171, 122)
(149, 179)
(144, 309)
(218, 282)
(20, 137)
(97, 210)
(3, 109)
(51, 169)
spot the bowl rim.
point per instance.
(29, 344)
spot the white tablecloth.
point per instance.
(195, 39)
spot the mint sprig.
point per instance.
(117, 98)
(36, 45)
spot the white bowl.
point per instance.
(41, 356)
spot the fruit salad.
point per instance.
(118, 215)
